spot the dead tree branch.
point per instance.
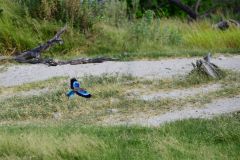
(30, 55)
(51, 62)
(197, 6)
(185, 8)
(33, 56)
(193, 13)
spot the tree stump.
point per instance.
(205, 67)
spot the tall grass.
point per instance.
(50, 145)
(105, 29)
(164, 37)
(218, 138)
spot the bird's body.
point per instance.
(75, 89)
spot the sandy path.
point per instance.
(215, 108)
(181, 93)
(17, 75)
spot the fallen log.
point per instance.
(51, 62)
(206, 67)
(35, 54)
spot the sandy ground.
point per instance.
(19, 74)
(210, 110)
(181, 93)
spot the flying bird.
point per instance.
(75, 89)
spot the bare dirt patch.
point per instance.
(181, 93)
(217, 107)
(19, 74)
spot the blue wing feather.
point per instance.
(83, 93)
(70, 93)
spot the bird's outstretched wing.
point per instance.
(83, 93)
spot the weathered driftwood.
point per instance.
(206, 67)
(51, 62)
(33, 55)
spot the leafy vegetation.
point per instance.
(50, 126)
(105, 29)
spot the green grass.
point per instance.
(108, 91)
(28, 131)
(110, 36)
(21, 32)
(162, 38)
(218, 138)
